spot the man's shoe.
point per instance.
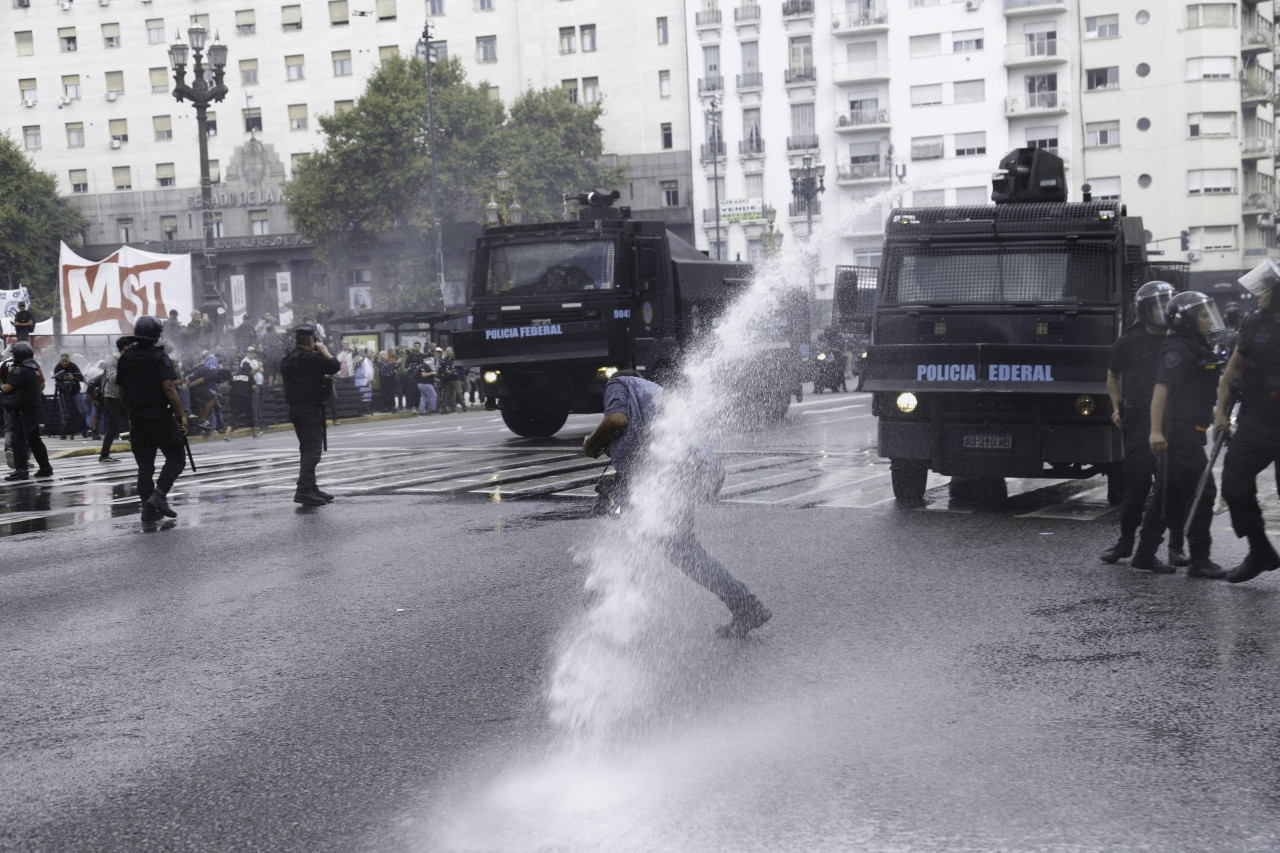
(44, 472)
(8, 457)
(1123, 548)
(107, 459)
(1254, 564)
(161, 503)
(1177, 559)
(745, 620)
(1149, 563)
(328, 497)
(1203, 567)
(16, 476)
(308, 498)
(150, 515)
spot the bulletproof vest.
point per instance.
(1138, 375)
(1260, 346)
(141, 375)
(1191, 405)
(27, 393)
(304, 377)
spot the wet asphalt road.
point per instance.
(373, 676)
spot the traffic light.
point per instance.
(1185, 237)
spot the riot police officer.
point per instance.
(1131, 379)
(1187, 372)
(306, 371)
(1254, 371)
(23, 394)
(145, 378)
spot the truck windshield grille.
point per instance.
(551, 268)
(975, 275)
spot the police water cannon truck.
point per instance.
(559, 307)
(992, 330)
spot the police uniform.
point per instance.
(22, 404)
(153, 423)
(1256, 442)
(1190, 368)
(306, 375)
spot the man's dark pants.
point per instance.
(150, 432)
(1251, 449)
(1183, 463)
(308, 424)
(1139, 474)
(113, 418)
(24, 442)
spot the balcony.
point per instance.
(1041, 103)
(801, 75)
(855, 173)
(868, 20)
(751, 148)
(751, 80)
(797, 209)
(1257, 147)
(796, 8)
(1258, 204)
(1257, 86)
(712, 150)
(854, 72)
(1051, 52)
(1257, 36)
(747, 13)
(927, 150)
(804, 142)
(854, 120)
(1031, 7)
(711, 84)
(709, 18)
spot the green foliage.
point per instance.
(368, 191)
(33, 219)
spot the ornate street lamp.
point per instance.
(772, 237)
(806, 184)
(506, 211)
(713, 115)
(428, 55)
(200, 93)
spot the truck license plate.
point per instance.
(988, 441)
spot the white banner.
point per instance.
(9, 300)
(238, 301)
(105, 297)
(284, 297)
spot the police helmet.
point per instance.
(1261, 278)
(22, 351)
(147, 327)
(1184, 314)
(1152, 301)
(302, 333)
(1231, 314)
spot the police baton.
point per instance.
(324, 430)
(1219, 439)
(187, 445)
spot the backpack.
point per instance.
(94, 389)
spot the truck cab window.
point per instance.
(531, 269)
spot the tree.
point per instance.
(368, 191)
(33, 219)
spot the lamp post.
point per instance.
(713, 115)
(772, 236)
(508, 212)
(200, 93)
(806, 184)
(428, 56)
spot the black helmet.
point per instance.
(1152, 301)
(1231, 314)
(22, 351)
(148, 328)
(1184, 314)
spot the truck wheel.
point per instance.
(909, 477)
(534, 423)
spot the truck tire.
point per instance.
(909, 477)
(534, 423)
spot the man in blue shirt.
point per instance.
(631, 405)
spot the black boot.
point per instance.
(308, 498)
(328, 497)
(1146, 560)
(16, 475)
(748, 616)
(1176, 558)
(1203, 567)
(1123, 548)
(161, 502)
(1261, 558)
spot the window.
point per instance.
(28, 89)
(115, 82)
(967, 41)
(751, 63)
(801, 53)
(258, 223)
(291, 17)
(342, 63)
(26, 46)
(1211, 124)
(216, 221)
(484, 5)
(670, 193)
(755, 250)
(1102, 27)
(118, 128)
(252, 119)
(31, 137)
(590, 90)
(926, 148)
(215, 176)
(295, 163)
(1211, 15)
(928, 198)
(386, 10)
(752, 142)
(75, 134)
(711, 60)
(435, 7)
(211, 123)
(1213, 238)
(246, 23)
(79, 179)
(155, 30)
(567, 36)
(297, 116)
(110, 35)
(438, 51)
(972, 196)
(159, 80)
(662, 31)
(338, 14)
(124, 230)
(1102, 134)
(169, 227)
(71, 87)
(486, 48)
(340, 107)
(494, 93)
(386, 53)
(570, 88)
(248, 72)
(588, 32)
(163, 126)
(864, 154)
(164, 175)
(802, 124)
(1211, 68)
(668, 141)
(969, 91)
(969, 144)
(1105, 189)
(926, 95)
(926, 45)
(295, 67)
(664, 84)
(67, 38)
(1102, 78)
(122, 177)
(1043, 137)
(1211, 181)
(753, 185)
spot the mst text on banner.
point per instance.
(105, 297)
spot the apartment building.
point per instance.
(90, 97)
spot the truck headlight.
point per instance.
(907, 402)
(822, 356)
(491, 376)
(607, 372)
(1085, 405)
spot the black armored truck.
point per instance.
(558, 307)
(992, 330)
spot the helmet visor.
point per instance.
(1207, 313)
(1152, 309)
(1261, 278)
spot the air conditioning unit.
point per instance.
(111, 96)
(972, 5)
(28, 102)
(62, 101)
(115, 143)
(66, 5)
(24, 3)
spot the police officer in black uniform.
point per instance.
(1254, 371)
(23, 390)
(1187, 371)
(145, 378)
(306, 371)
(1230, 336)
(1131, 379)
